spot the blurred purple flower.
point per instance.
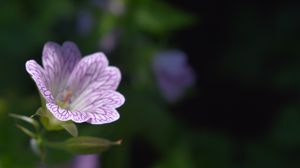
(109, 41)
(75, 88)
(84, 22)
(173, 73)
(86, 161)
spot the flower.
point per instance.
(173, 73)
(86, 161)
(110, 40)
(75, 88)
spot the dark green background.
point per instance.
(243, 111)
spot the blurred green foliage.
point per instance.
(146, 26)
(26, 26)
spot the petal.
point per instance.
(100, 106)
(86, 72)
(90, 100)
(103, 116)
(109, 79)
(71, 56)
(52, 61)
(97, 108)
(59, 62)
(86, 161)
(37, 74)
(65, 115)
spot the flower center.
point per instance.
(65, 99)
(67, 96)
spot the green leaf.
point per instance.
(163, 20)
(71, 128)
(84, 145)
(26, 131)
(26, 119)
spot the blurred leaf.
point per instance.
(107, 24)
(26, 119)
(71, 128)
(84, 145)
(26, 131)
(286, 132)
(117, 157)
(159, 18)
(213, 150)
(21, 20)
(262, 155)
(144, 111)
(178, 158)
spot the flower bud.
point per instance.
(85, 145)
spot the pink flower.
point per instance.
(86, 161)
(75, 88)
(109, 41)
(173, 74)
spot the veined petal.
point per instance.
(90, 100)
(65, 115)
(52, 62)
(37, 74)
(59, 62)
(103, 116)
(86, 72)
(71, 56)
(100, 106)
(108, 80)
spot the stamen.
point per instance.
(67, 96)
